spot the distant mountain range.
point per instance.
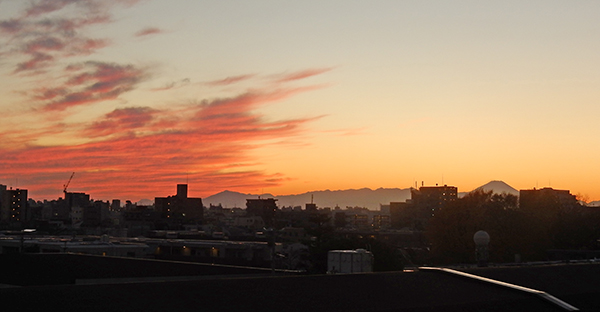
(364, 197)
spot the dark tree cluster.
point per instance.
(528, 230)
(386, 256)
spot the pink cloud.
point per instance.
(45, 94)
(47, 6)
(47, 44)
(11, 26)
(37, 61)
(235, 109)
(133, 151)
(122, 120)
(40, 7)
(230, 80)
(86, 46)
(148, 31)
(98, 82)
(204, 144)
(44, 39)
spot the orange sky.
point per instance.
(285, 98)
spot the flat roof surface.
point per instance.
(418, 291)
(389, 291)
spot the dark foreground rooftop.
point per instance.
(393, 291)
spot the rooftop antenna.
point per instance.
(311, 198)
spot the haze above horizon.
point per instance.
(285, 97)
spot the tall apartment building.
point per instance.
(180, 209)
(262, 207)
(424, 203)
(430, 199)
(13, 204)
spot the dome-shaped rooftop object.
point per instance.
(481, 238)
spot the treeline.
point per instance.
(527, 230)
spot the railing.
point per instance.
(541, 294)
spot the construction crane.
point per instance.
(67, 184)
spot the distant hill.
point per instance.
(364, 197)
(231, 199)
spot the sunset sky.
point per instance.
(285, 97)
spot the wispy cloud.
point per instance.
(208, 142)
(173, 85)
(230, 80)
(303, 74)
(138, 150)
(35, 62)
(122, 120)
(42, 38)
(148, 31)
(93, 82)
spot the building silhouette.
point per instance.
(430, 199)
(180, 209)
(546, 198)
(13, 205)
(75, 199)
(115, 205)
(424, 203)
(263, 207)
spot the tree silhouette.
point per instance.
(451, 230)
(539, 223)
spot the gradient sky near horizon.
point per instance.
(285, 97)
